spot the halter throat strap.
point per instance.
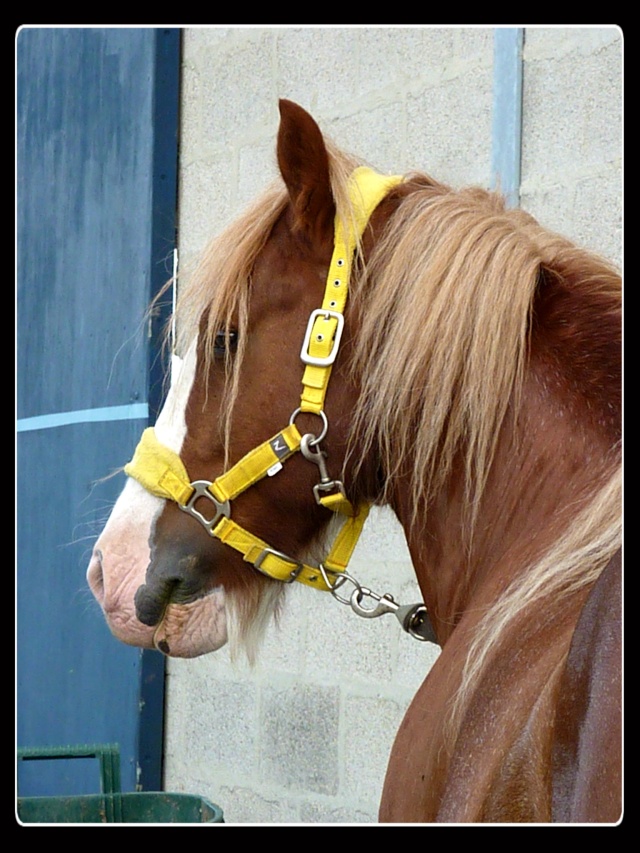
(161, 471)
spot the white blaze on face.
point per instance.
(121, 554)
(171, 426)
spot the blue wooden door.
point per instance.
(96, 189)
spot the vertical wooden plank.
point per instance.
(86, 174)
(163, 242)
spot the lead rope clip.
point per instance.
(309, 446)
(413, 618)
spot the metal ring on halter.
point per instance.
(340, 580)
(325, 424)
(201, 490)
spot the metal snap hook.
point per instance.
(384, 603)
(309, 447)
(413, 618)
(311, 450)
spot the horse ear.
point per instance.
(304, 165)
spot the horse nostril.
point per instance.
(176, 578)
(95, 576)
(151, 599)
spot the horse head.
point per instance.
(263, 289)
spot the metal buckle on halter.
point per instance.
(201, 490)
(327, 360)
(272, 551)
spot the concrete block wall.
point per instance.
(572, 134)
(305, 736)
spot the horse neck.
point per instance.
(550, 460)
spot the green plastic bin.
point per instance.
(136, 807)
(111, 806)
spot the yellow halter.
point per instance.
(162, 472)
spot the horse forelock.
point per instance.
(215, 295)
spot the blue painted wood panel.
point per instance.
(97, 153)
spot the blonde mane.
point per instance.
(445, 306)
(444, 335)
(446, 314)
(218, 288)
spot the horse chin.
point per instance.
(196, 628)
(193, 629)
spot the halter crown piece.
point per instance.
(162, 472)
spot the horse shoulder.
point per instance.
(587, 747)
(500, 766)
(417, 768)
(496, 766)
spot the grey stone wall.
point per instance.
(305, 736)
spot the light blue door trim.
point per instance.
(507, 113)
(133, 411)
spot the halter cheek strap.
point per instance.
(162, 472)
(324, 331)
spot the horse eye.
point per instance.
(225, 341)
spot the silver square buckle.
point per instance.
(327, 360)
(266, 552)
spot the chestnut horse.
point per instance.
(475, 387)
